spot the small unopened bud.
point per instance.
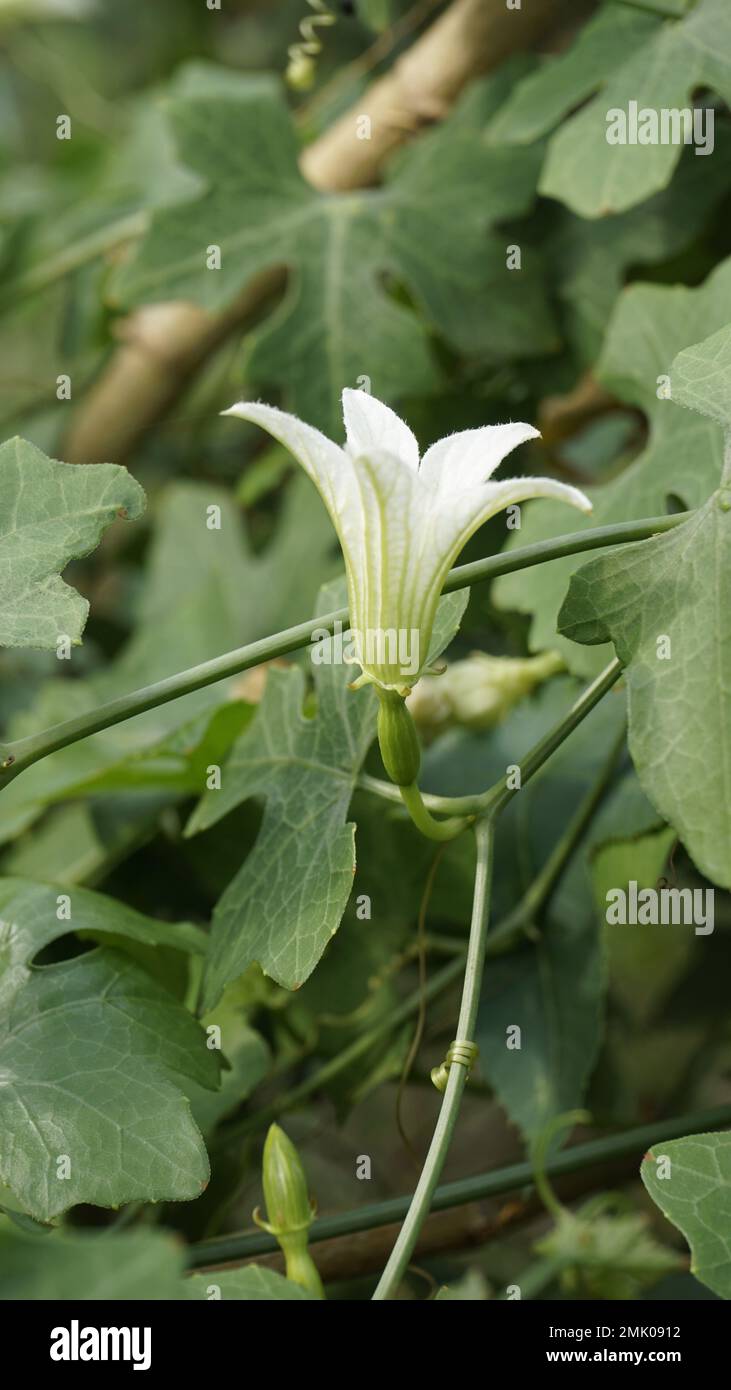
(398, 739)
(478, 692)
(289, 1210)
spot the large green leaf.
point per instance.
(681, 461)
(701, 377)
(662, 605)
(94, 1058)
(339, 320)
(589, 261)
(594, 177)
(659, 603)
(696, 1196)
(51, 513)
(560, 84)
(287, 899)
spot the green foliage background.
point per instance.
(184, 135)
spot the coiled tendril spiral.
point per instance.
(301, 67)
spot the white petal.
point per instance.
(470, 457)
(371, 425)
(328, 465)
(386, 585)
(469, 510)
(448, 523)
(503, 494)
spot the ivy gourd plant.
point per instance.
(386, 801)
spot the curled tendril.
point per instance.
(301, 67)
(461, 1051)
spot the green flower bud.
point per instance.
(289, 1210)
(478, 692)
(285, 1184)
(398, 739)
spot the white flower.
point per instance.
(401, 523)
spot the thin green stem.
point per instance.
(15, 757)
(496, 798)
(517, 1177)
(449, 1111)
(378, 786)
(541, 886)
(524, 913)
(559, 547)
(36, 746)
(425, 822)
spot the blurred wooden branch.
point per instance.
(163, 346)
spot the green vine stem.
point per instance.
(16, 757)
(424, 820)
(517, 1177)
(457, 1078)
(497, 798)
(520, 921)
(445, 805)
(494, 800)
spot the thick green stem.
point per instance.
(15, 757)
(421, 1201)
